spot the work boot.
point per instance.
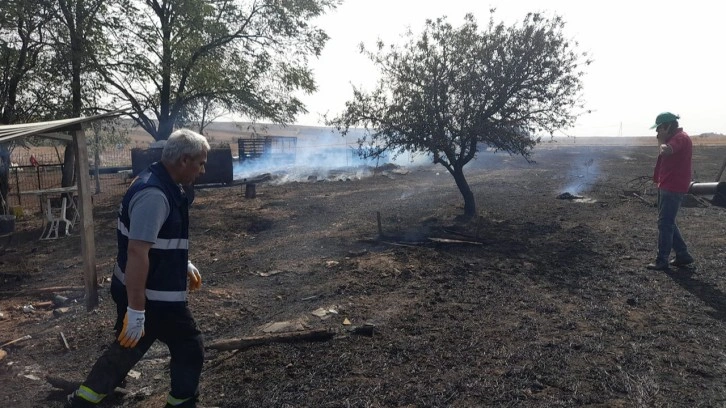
(682, 260)
(188, 404)
(74, 401)
(658, 265)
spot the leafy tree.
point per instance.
(23, 34)
(106, 133)
(247, 56)
(450, 91)
(22, 31)
(43, 60)
(79, 36)
(201, 113)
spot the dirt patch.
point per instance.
(538, 302)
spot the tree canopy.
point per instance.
(451, 90)
(174, 62)
(246, 57)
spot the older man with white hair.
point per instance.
(149, 284)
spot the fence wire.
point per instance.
(44, 170)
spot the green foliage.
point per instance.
(175, 63)
(173, 59)
(26, 91)
(108, 133)
(449, 90)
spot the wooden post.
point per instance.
(380, 229)
(88, 243)
(17, 187)
(250, 190)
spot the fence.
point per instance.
(48, 173)
(117, 157)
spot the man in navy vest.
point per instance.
(149, 284)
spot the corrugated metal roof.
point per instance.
(10, 132)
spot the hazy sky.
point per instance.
(648, 56)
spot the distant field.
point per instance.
(229, 132)
(630, 141)
(221, 133)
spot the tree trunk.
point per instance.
(4, 175)
(76, 22)
(165, 129)
(97, 162)
(69, 165)
(96, 165)
(469, 201)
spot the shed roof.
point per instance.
(50, 128)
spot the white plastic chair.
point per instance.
(54, 216)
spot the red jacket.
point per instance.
(673, 172)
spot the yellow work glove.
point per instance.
(133, 328)
(195, 278)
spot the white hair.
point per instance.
(181, 142)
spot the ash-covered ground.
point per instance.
(537, 302)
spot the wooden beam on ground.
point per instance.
(40, 291)
(293, 337)
(26, 337)
(88, 243)
(453, 241)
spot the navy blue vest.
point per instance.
(168, 257)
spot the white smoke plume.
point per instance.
(319, 156)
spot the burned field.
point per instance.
(542, 301)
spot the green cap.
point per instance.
(664, 117)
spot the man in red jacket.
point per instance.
(673, 176)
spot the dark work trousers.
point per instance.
(173, 325)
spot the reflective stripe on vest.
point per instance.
(89, 395)
(166, 296)
(161, 243)
(158, 295)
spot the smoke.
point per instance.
(582, 175)
(318, 156)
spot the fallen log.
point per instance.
(40, 291)
(409, 245)
(293, 337)
(365, 330)
(453, 241)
